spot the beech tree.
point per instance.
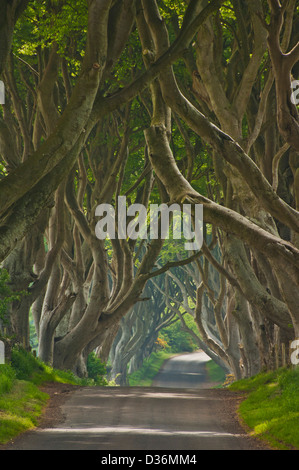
(230, 160)
(185, 103)
(138, 332)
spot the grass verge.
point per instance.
(21, 400)
(271, 407)
(20, 409)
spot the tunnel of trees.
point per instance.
(160, 101)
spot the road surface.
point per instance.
(184, 371)
(185, 416)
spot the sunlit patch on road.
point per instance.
(141, 431)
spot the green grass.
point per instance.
(28, 367)
(150, 368)
(21, 401)
(7, 378)
(215, 373)
(20, 409)
(271, 408)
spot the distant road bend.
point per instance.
(177, 413)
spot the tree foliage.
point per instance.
(161, 102)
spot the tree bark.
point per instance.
(10, 11)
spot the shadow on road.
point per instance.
(178, 412)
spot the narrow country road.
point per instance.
(185, 371)
(182, 416)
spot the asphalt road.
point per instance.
(184, 371)
(182, 416)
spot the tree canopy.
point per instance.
(188, 102)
